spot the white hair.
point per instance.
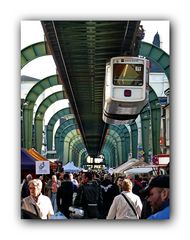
(36, 182)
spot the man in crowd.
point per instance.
(65, 195)
(158, 197)
(109, 191)
(89, 197)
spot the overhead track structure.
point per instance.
(80, 50)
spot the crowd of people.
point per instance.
(99, 195)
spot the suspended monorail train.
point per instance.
(126, 89)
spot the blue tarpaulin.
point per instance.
(27, 161)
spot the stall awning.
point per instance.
(39, 157)
(27, 161)
(36, 155)
(139, 170)
(127, 165)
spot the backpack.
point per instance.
(91, 195)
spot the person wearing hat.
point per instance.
(158, 197)
(36, 204)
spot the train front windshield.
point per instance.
(128, 74)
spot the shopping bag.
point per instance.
(76, 213)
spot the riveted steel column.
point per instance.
(113, 144)
(74, 147)
(66, 152)
(61, 148)
(145, 128)
(134, 138)
(118, 142)
(125, 140)
(123, 149)
(122, 133)
(57, 116)
(107, 157)
(80, 157)
(70, 152)
(56, 139)
(66, 130)
(27, 126)
(83, 158)
(38, 132)
(127, 143)
(78, 154)
(60, 135)
(119, 149)
(49, 137)
(58, 146)
(114, 156)
(117, 133)
(155, 123)
(110, 152)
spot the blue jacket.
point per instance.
(163, 214)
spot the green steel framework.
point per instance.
(39, 116)
(147, 50)
(28, 106)
(64, 128)
(63, 113)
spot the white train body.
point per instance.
(126, 89)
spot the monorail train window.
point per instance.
(128, 74)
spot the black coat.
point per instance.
(25, 190)
(65, 197)
(89, 197)
(109, 191)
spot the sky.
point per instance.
(162, 27)
(32, 32)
